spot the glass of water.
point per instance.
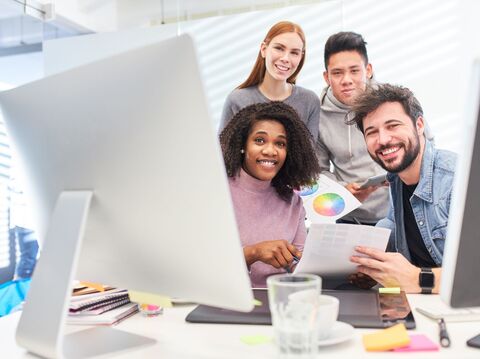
(294, 306)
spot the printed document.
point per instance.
(328, 247)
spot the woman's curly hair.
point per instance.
(301, 166)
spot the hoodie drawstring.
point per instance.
(350, 142)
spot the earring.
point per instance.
(242, 151)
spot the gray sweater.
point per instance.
(304, 101)
(344, 146)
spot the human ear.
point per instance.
(369, 71)
(420, 125)
(263, 48)
(326, 78)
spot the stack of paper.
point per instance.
(111, 317)
(102, 307)
(98, 303)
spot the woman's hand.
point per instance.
(278, 253)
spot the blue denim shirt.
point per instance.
(430, 204)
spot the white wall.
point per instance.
(19, 69)
(426, 45)
(416, 44)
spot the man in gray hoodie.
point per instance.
(347, 74)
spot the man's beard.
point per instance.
(411, 153)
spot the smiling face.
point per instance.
(265, 149)
(347, 75)
(393, 141)
(282, 55)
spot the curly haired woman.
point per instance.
(268, 153)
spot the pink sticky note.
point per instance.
(419, 342)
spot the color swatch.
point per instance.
(329, 204)
(307, 191)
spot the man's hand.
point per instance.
(360, 194)
(277, 253)
(388, 269)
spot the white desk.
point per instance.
(178, 339)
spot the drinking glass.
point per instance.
(294, 300)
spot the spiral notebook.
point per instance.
(98, 302)
(101, 307)
(111, 317)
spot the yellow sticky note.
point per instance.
(257, 302)
(389, 290)
(255, 339)
(387, 339)
(148, 298)
(96, 286)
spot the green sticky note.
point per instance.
(257, 303)
(255, 339)
(389, 290)
(148, 298)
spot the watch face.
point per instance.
(427, 279)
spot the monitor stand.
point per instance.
(42, 324)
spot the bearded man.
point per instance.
(421, 180)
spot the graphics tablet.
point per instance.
(360, 308)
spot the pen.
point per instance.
(356, 220)
(444, 339)
(295, 261)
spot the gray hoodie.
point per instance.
(344, 146)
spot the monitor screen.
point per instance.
(134, 131)
(461, 267)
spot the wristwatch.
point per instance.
(426, 279)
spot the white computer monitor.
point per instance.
(461, 266)
(128, 187)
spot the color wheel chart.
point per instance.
(326, 201)
(329, 204)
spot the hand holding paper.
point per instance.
(388, 269)
(329, 247)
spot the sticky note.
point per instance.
(257, 303)
(255, 339)
(387, 339)
(141, 297)
(389, 290)
(96, 286)
(419, 342)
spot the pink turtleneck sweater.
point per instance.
(262, 216)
